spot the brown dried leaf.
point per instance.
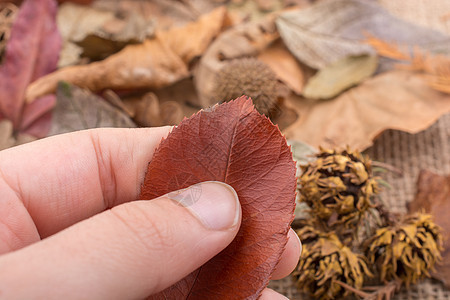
(78, 109)
(114, 35)
(433, 196)
(285, 65)
(152, 64)
(394, 100)
(241, 41)
(148, 111)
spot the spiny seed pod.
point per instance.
(249, 77)
(338, 186)
(325, 261)
(407, 250)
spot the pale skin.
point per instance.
(70, 228)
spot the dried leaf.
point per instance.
(8, 12)
(432, 14)
(240, 41)
(153, 64)
(75, 22)
(433, 196)
(437, 67)
(32, 52)
(192, 40)
(397, 100)
(7, 138)
(339, 76)
(114, 35)
(285, 65)
(78, 109)
(6, 134)
(302, 152)
(253, 10)
(341, 30)
(148, 111)
(232, 143)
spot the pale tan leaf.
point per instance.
(332, 29)
(339, 76)
(395, 100)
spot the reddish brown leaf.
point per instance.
(32, 52)
(231, 143)
(433, 196)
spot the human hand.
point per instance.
(69, 228)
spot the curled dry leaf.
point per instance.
(32, 52)
(155, 63)
(433, 196)
(339, 76)
(234, 144)
(394, 100)
(78, 109)
(240, 41)
(341, 30)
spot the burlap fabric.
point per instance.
(429, 149)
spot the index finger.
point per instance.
(67, 178)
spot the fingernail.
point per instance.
(214, 203)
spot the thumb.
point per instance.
(131, 251)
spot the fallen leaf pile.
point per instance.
(238, 146)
